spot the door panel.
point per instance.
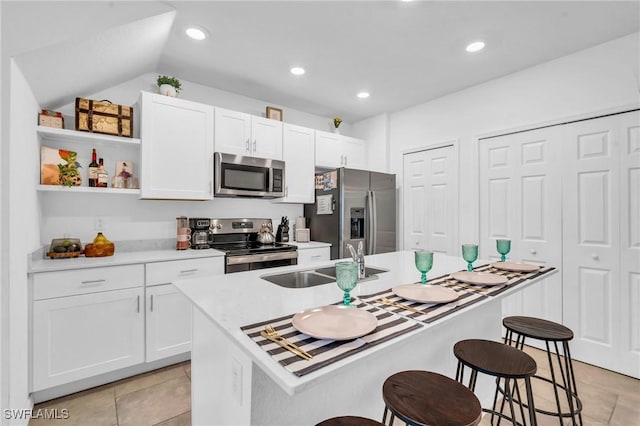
(520, 200)
(430, 200)
(600, 248)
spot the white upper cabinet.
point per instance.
(232, 132)
(298, 154)
(354, 152)
(177, 148)
(244, 134)
(334, 150)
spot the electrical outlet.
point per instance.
(98, 225)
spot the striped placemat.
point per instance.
(469, 294)
(430, 311)
(326, 351)
(514, 278)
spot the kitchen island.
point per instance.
(236, 382)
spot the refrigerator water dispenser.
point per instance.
(357, 223)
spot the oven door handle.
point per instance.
(238, 260)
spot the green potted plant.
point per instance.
(169, 86)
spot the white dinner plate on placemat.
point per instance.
(479, 278)
(426, 293)
(337, 322)
(515, 266)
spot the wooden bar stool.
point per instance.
(424, 398)
(503, 362)
(349, 421)
(550, 332)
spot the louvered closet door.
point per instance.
(520, 200)
(430, 200)
(601, 242)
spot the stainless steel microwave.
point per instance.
(239, 176)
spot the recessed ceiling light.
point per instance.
(476, 46)
(363, 95)
(196, 33)
(297, 71)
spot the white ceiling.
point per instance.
(404, 53)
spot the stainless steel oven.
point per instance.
(238, 239)
(239, 176)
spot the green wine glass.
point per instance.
(347, 279)
(503, 247)
(424, 263)
(470, 254)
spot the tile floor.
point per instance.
(162, 397)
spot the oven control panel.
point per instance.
(238, 226)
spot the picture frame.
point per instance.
(274, 113)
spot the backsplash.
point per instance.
(127, 218)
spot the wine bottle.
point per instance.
(103, 175)
(92, 170)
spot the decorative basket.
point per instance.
(99, 250)
(65, 248)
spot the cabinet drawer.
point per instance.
(83, 281)
(313, 255)
(166, 272)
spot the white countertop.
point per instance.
(119, 258)
(139, 256)
(309, 245)
(235, 300)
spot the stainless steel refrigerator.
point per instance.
(353, 206)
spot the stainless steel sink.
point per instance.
(369, 271)
(298, 279)
(313, 277)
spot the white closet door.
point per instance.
(520, 199)
(430, 200)
(630, 241)
(601, 268)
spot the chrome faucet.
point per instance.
(358, 257)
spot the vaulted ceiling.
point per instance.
(403, 53)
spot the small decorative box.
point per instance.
(50, 118)
(104, 117)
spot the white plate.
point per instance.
(426, 293)
(337, 322)
(479, 278)
(515, 266)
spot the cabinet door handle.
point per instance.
(247, 146)
(595, 256)
(188, 271)
(316, 256)
(92, 282)
(255, 144)
(533, 251)
(346, 159)
(138, 308)
(151, 304)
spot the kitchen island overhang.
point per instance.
(235, 381)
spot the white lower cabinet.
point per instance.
(313, 254)
(92, 321)
(168, 328)
(168, 322)
(76, 337)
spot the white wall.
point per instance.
(600, 78)
(375, 132)
(128, 218)
(4, 224)
(24, 238)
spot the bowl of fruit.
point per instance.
(61, 248)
